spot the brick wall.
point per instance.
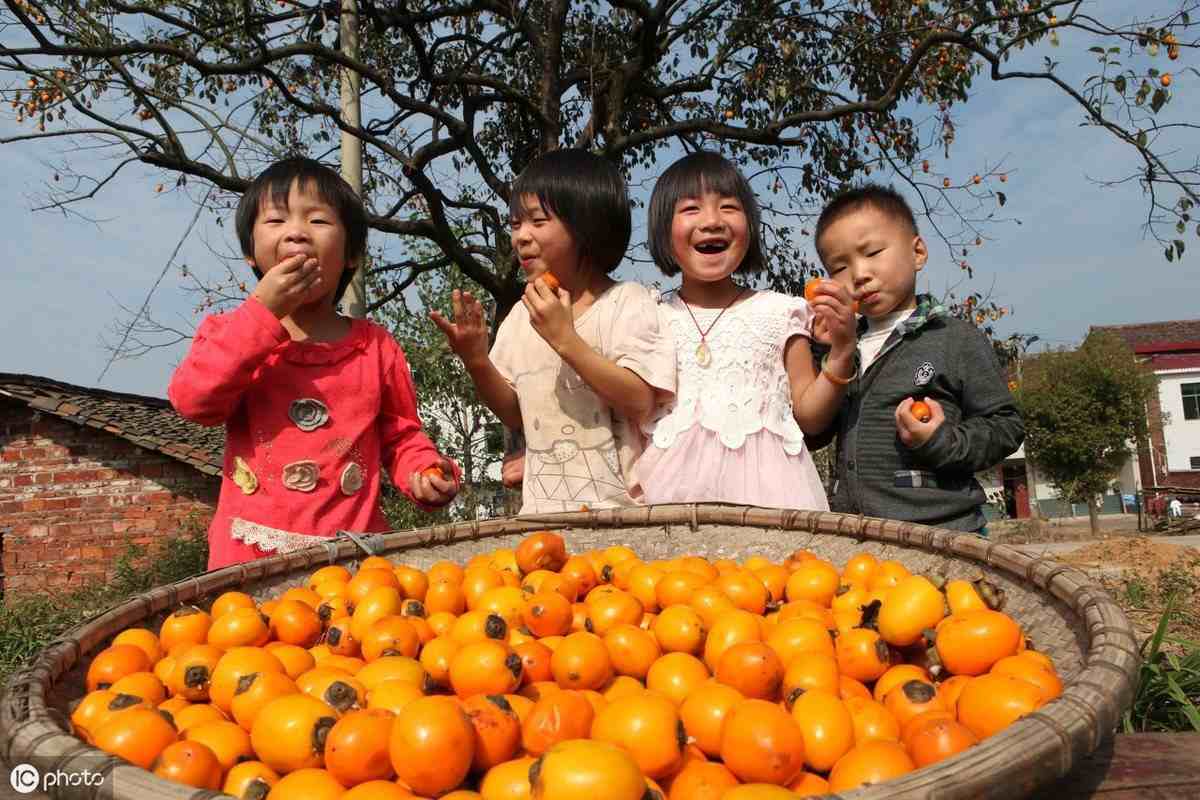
(72, 498)
(1155, 449)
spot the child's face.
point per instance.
(876, 257)
(709, 236)
(308, 225)
(542, 242)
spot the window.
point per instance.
(1191, 400)
(1195, 462)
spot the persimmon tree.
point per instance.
(1083, 410)
(459, 95)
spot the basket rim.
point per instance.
(1091, 702)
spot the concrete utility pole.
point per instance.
(354, 302)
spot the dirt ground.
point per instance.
(1144, 576)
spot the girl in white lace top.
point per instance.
(744, 367)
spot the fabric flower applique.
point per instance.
(244, 477)
(301, 476)
(352, 478)
(308, 413)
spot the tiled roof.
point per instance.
(148, 422)
(1148, 337)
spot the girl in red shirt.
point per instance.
(315, 405)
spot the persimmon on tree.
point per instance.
(459, 95)
(1083, 408)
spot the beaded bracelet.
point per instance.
(834, 378)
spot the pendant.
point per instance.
(703, 354)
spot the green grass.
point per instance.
(1168, 685)
(29, 622)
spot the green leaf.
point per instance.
(1159, 100)
(1170, 253)
(1001, 197)
(1096, 50)
(1141, 139)
(1179, 248)
(1119, 83)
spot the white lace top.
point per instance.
(745, 388)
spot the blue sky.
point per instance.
(1078, 259)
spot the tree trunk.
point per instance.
(1094, 515)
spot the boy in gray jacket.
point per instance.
(895, 460)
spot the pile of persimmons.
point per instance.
(529, 673)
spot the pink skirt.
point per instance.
(698, 468)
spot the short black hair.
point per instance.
(585, 191)
(275, 182)
(883, 199)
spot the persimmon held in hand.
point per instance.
(920, 409)
(810, 293)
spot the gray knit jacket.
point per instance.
(933, 355)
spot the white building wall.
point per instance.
(1182, 436)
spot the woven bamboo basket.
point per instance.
(1062, 611)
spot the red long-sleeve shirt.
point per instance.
(245, 372)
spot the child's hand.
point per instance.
(550, 313)
(286, 285)
(468, 334)
(512, 471)
(834, 322)
(435, 485)
(912, 431)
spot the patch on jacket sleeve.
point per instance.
(924, 374)
(914, 479)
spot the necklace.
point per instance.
(703, 353)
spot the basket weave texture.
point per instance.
(1062, 611)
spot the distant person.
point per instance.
(316, 406)
(897, 459)
(1175, 507)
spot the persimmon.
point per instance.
(631, 650)
(508, 602)
(250, 780)
(938, 738)
(792, 637)
(897, 675)
(677, 588)
(340, 639)
(380, 602)
(497, 730)
(753, 668)
(811, 670)
(862, 654)
(391, 668)
(581, 662)
(643, 585)
(921, 411)
(909, 608)
(758, 791)
(622, 686)
(761, 742)
(334, 687)
(444, 571)
(94, 709)
(294, 622)
(142, 684)
(648, 726)
(197, 714)
(610, 609)
(486, 667)
(911, 698)
(535, 661)
(390, 636)
(871, 721)
(241, 627)
(307, 784)
(703, 713)
(332, 609)
(849, 687)
(1018, 666)
(114, 663)
(229, 742)
(550, 281)
(505, 781)
(869, 763)
(387, 790)
(580, 571)
(192, 673)
(547, 614)
(888, 573)
(137, 735)
(815, 580)
(971, 642)
(254, 691)
(301, 593)
(731, 627)
(556, 717)
(702, 780)
(745, 590)
(808, 784)
(679, 629)
(366, 581)
(232, 666)
(542, 550)
(143, 638)
(445, 596)
(432, 745)
(186, 625)
(357, 747)
(826, 725)
(950, 689)
(189, 763)
(332, 573)
(676, 675)
(585, 769)
(435, 659)
(990, 703)
(920, 720)
(229, 601)
(710, 602)
(478, 626)
(393, 695)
